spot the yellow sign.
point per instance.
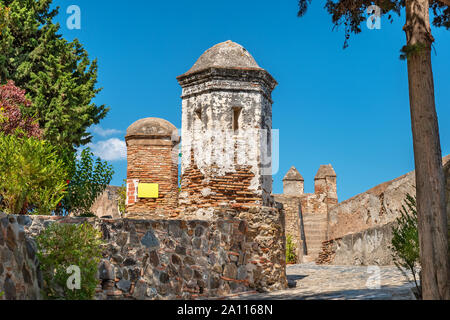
(148, 190)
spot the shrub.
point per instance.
(32, 178)
(61, 246)
(89, 179)
(12, 120)
(405, 240)
(291, 255)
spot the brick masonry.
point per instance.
(152, 156)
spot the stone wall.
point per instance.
(20, 277)
(107, 203)
(377, 206)
(292, 209)
(238, 251)
(369, 247)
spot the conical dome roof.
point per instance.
(226, 54)
(153, 127)
(325, 170)
(293, 175)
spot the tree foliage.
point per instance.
(32, 177)
(61, 246)
(88, 179)
(405, 240)
(352, 13)
(12, 121)
(57, 75)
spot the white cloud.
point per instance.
(104, 132)
(110, 150)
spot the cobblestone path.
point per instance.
(340, 283)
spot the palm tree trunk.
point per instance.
(431, 211)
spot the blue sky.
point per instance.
(346, 107)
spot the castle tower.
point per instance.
(293, 183)
(325, 183)
(226, 129)
(152, 170)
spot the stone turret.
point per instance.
(226, 129)
(152, 169)
(293, 183)
(325, 183)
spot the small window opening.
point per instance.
(236, 114)
(198, 112)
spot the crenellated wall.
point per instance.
(306, 213)
(359, 229)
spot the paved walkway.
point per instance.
(340, 283)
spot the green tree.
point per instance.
(58, 76)
(61, 246)
(32, 177)
(89, 178)
(427, 148)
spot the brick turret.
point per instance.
(325, 183)
(293, 183)
(152, 171)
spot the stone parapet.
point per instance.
(239, 250)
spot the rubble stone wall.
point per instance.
(238, 251)
(292, 209)
(20, 277)
(375, 207)
(369, 247)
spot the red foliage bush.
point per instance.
(12, 121)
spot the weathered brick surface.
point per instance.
(152, 164)
(152, 156)
(233, 187)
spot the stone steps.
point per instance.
(315, 227)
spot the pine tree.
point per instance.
(58, 75)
